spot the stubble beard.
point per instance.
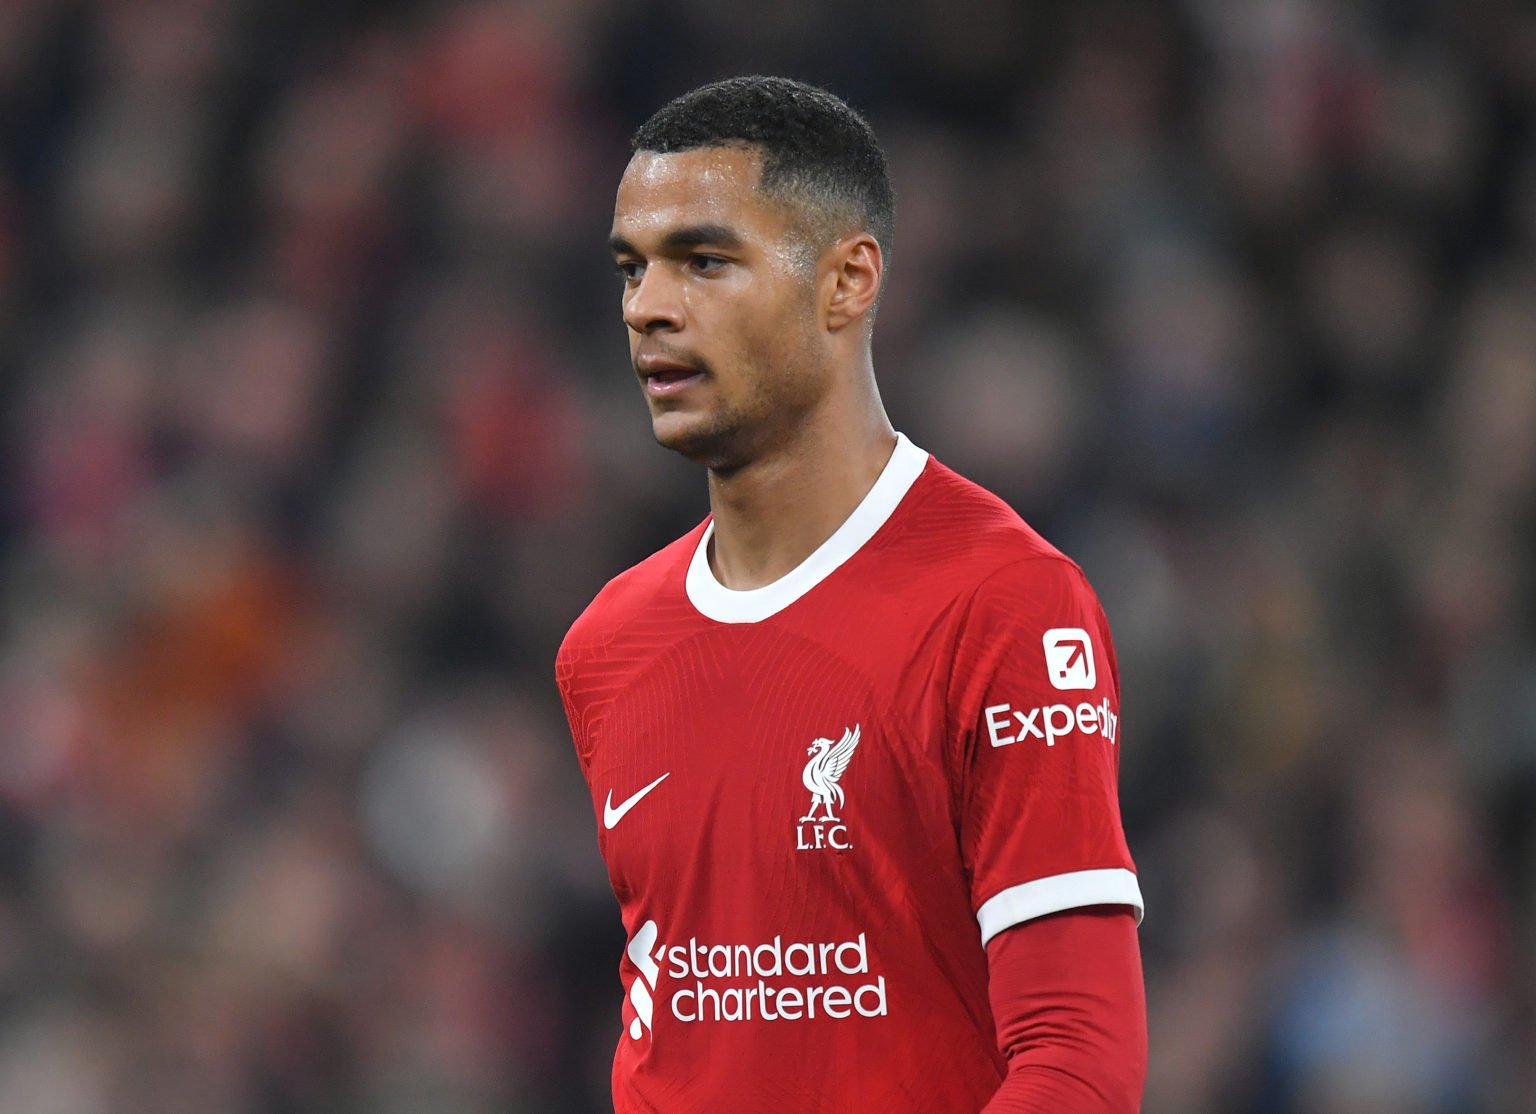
(723, 440)
(735, 435)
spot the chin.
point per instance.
(697, 439)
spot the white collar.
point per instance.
(725, 605)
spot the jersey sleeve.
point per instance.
(1069, 1003)
(565, 676)
(1036, 713)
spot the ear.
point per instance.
(854, 271)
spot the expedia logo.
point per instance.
(1006, 724)
(770, 981)
(1069, 658)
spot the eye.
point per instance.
(629, 270)
(706, 264)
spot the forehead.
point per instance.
(709, 185)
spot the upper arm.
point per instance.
(1037, 719)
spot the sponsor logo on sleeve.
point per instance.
(1007, 724)
(1069, 658)
(1069, 665)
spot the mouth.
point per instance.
(663, 377)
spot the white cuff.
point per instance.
(1018, 904)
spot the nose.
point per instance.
(654, 304)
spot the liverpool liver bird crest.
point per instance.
(825, 770)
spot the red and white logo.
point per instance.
(1069, 658)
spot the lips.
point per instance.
(663, 376)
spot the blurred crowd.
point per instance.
(317, 429)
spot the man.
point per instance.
(852, 742)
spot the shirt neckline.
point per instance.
(726, 605)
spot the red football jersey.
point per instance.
(817, 800)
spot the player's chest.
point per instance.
(769, 764)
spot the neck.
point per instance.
(771, 514)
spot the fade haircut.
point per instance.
(818, 153)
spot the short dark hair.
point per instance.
(817, 151)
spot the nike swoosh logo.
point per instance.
(612, 816)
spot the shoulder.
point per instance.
(964, 536)
(634, 593)
(1021, 604)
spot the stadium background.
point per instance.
(318, 430)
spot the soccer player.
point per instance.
(853, 741)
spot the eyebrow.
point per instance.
(688, 236)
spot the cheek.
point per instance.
(782, 315)
(765, 329)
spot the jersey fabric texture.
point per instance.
(818, 800)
